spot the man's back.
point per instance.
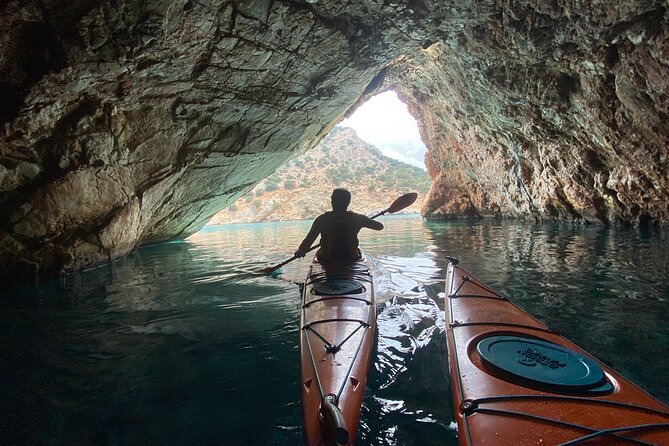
(339, 234)
(338, 230)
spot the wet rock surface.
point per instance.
(134, 121)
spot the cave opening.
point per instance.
(385, 122)
(377, 153)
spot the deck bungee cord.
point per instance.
(331, 347)
(337, 313)
(471, 407)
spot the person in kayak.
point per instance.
(338, 229)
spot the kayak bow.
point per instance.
(337, 328)
(517, 382)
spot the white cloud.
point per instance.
(385, 122)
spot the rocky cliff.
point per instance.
(129, 122)
(548, 110)
(301, 188)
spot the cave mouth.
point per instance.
(377, 153)
(385, 122)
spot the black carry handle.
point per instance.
(334, 426)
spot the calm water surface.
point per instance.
(181, 344)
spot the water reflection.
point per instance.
(408, 398)
(182, 344)
(146, 352)
(604, 288)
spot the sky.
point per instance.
(384, 122)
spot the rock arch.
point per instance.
(134, 122)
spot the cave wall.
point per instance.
(129, 122)
(551, 110)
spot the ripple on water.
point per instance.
(411, 365)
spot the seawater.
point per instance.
(181, 343)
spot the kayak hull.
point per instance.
(337, 327)
(516, 382)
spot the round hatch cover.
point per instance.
(535, 363)
(334, 287)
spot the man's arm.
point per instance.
(309, 239)
(367, 222)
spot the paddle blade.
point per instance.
(270, 271)
(402, 202)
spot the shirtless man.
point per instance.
(338, 229)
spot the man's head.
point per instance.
(341, 198)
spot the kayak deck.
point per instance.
(337, 327)
(517, 382)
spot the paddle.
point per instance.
(402, 202)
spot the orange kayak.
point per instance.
(337, 329)
(516, 382)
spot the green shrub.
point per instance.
(271, 184)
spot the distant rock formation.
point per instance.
(133, 122)
(301, 188)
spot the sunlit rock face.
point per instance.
(133, 121)
(545, 110)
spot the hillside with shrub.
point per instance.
(301, 188)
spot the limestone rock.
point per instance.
(546, 111)
(135, 121)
